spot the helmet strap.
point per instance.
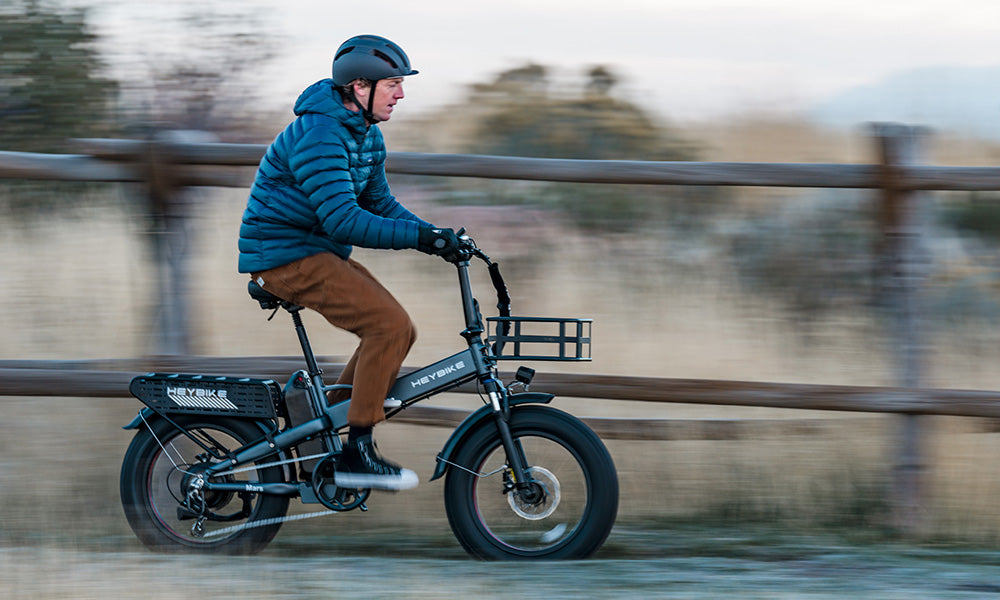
(366, 111)
(370, 111)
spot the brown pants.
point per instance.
(350, 298)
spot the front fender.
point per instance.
(466, 427)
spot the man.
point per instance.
(321, 189)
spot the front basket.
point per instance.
(539, 338)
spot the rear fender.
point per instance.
(472, 422)
(144, 415)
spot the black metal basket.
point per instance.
(539, 338)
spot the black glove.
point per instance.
(439, 241)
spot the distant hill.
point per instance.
(964, 100)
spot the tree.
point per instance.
(52, 86)
(520, 113)
(197, 68)
(528, 118)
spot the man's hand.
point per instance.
(439, 241)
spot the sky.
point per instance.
(684, 59)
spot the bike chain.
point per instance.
(273, 520)
(266, 522)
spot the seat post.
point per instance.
(307, 352)
(317, 397)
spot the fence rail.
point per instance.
(110, 379)
(122, 160)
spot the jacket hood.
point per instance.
(322, 98)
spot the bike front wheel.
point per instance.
(566, 513)
(154, 486)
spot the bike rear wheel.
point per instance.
(570, 509)
(159, 463)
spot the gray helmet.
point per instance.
(369, 57)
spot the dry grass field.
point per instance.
(82, 287)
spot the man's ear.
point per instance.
(360, 85)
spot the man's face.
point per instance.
(387, 93)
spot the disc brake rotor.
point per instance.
(545, 505)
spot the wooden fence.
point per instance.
(166, 166)
(127, 161)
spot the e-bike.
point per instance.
(216, 459)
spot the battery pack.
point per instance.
(176, 393)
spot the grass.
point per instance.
(60, 456)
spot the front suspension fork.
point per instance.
(516, 460)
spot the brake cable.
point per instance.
(503, 300)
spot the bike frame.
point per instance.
(475, 363)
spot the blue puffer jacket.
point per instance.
(321, 187)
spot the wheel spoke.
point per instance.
(166, 487)
(542, 522)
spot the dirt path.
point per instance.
(635, 564)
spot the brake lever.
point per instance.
(469, 247)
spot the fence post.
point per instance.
(905, 263)
(170, 206)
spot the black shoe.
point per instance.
(361, 467)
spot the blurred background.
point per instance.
(753, 284)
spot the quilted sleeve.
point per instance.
(380, 200)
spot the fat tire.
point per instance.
(592, 457)
(136, 490)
